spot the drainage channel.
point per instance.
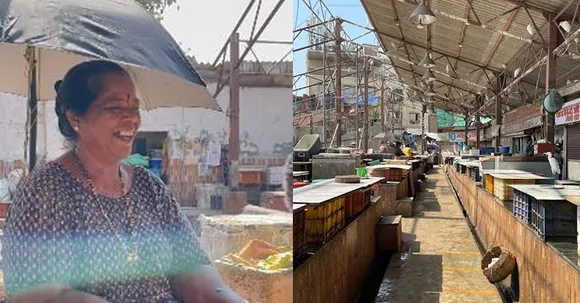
(504, 292)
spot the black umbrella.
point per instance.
(41, 39)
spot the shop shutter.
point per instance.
(573, 142)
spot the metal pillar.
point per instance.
(324, 126)
(382, 105)
(498, 113)
(337, 59)
(366, 113)
(423, 137)
(32, 107)
(234, 140)
(357, 108)
(550, 76)
(466, 127)
(478, 102)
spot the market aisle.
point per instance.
(440, 261)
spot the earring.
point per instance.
(76, 128)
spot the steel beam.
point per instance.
(550, 77)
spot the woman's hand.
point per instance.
(55, 294)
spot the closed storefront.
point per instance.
(569, 116)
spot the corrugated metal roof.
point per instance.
(496, 36)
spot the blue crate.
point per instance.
(554, 220)
(522, 206)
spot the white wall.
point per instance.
(265, 116)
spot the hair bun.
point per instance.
(57, 85)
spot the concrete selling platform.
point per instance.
(440, 261)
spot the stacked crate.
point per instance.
(554, 220)
(503, 191)
(463, 169)
(324, 220)
(488, 183)
(474, 174)
(522, 205)
(356, 201)
(299, 225)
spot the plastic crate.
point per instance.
(489, 183)
(299, 226)
(502, 189)
(250, 177)
(474, 174)
(554, 220)
(522, 206)
(356, 201)
(323, 221)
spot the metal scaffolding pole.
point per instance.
(366, 113)
(338, 59)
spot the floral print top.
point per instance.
(56, 234)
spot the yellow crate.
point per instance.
(324, 221)
(489, 183)
(502, 190)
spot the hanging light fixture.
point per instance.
(427, 61)
(429, 76)
(566, 26)
(531, 30)
(422, 15)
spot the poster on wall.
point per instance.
(213, 154)
(570, 113)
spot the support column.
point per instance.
(466, 127)
(337, 60)
(234, 140)
(423, 136)
(498, 113)
(366, 113)
(550, 76)
(478, 102)
(382, 105)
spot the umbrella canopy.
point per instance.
(63, 33)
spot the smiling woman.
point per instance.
(86, 228)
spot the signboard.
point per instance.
(569, 113)
(460, 136)
(523, 118)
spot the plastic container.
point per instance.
(361, 171)
(323, 221)
(504, 149)
(356, 202)
(554, 220)
(308, 146)
(522, 206)
(299, 226)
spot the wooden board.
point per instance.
(300, 173)
(526, 176)
(297, 206)
(546, 192)
(503, 171)
(398, 166)
(329, 190)
(574, 199)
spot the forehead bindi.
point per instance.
(118, 89)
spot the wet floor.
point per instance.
(441, 260)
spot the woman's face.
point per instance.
(112, 120)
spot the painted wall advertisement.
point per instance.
(523, 118)
(570, 113)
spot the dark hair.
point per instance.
(79, 88)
